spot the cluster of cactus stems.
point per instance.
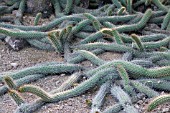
(83, 34)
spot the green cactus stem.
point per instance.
(158, 101)
(37, 18)
(16, 97)
(137, 26)
(68, 7)
(144, 89)
(10, 82)
(160, 5)
(166, 21)
(37, 91)
(50, 69)
(138, 42)
(95, 22)
(113, 32)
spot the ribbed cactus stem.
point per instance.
(144, 89)
(22, 34)
(113, 109)
(121, 11)
(166, 21)
(56, 42)
(10, 82)
(123, 74)
(138, 42)
(158, 101)
(99, 98)
(129, 6)
(121, 95)
(113, 32)
(37, 18)
(69, 6)
(91, 57)
(37, 91)
(137, 26)
(95, 22)
(160, 5)
(16, 97)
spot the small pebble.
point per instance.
(15, 65)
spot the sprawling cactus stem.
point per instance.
(113, 32)
(158, 101)
(117, 3)
(16, 97)
(22, 34)
(55, 41)
(91, 57)
(156, 84)
(95, 22)
(113, 109)
(139, 25)
(69, 6)
(44, 69)
(129, 6)
(68, 83)
(120, 95)
(10, 82)
(37, 91)
(37, 18)
(138, 42)
(160, 5)
(57, 7)
(136, 71)
(99, 98)
(144, 89)
(123, 74)
(166, 21)
(121, 11)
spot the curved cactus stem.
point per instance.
(144, 89)
(99, 98)
(158, 101)
(138, 42)
(95, 22)
(10, 82)
(113, 109)
(37, 18)
(37, 91)
(16, 97)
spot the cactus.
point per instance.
(37, 91)
(10, 82)
(157, 84)
(95, 22)
(113, 109)
(79, 33)
(16, 97)
(158, 101)
(60, 68)
(160, 5)
(121, 96)
(139, 25)
(99, 98)
(37, 18)
(129, 6)
(56, 42)
(138, 42)
(121, 11)
(69, 6)
(113, 32)
(144, 89)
